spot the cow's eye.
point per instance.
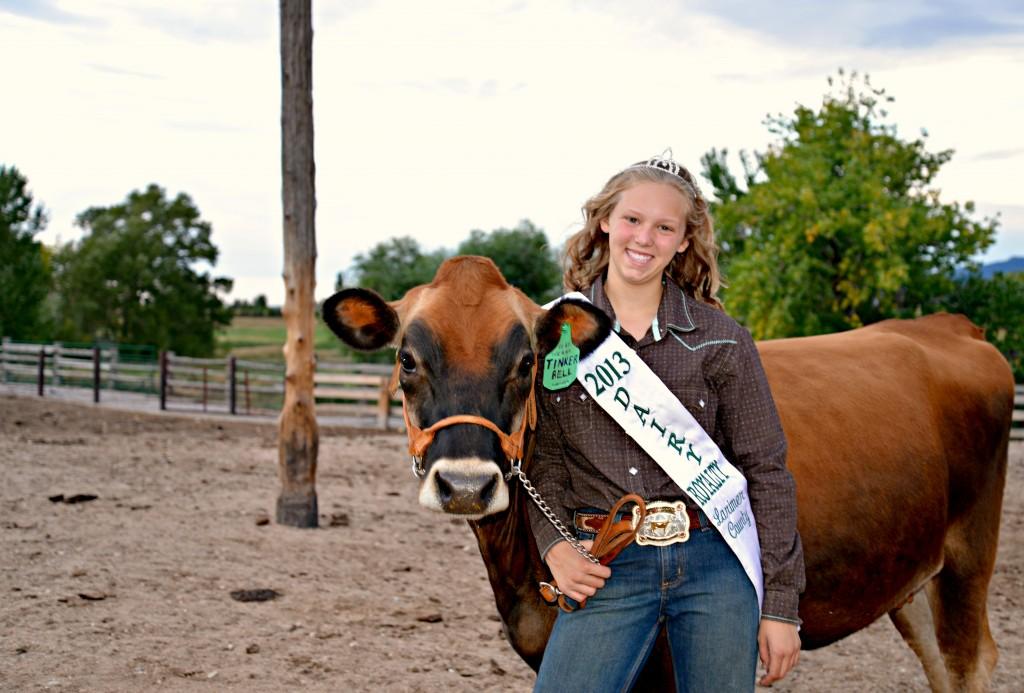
(526, 365)
(407, 361)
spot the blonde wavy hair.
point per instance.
(695, 269)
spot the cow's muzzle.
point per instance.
(468, 487)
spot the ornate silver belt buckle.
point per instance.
(664, 524)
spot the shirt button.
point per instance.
(558, 398)
(701, 403)
(633, 470)
(583, 397)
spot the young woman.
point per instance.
(647, 256)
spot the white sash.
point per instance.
(626, 387)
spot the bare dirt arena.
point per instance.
(133, 590)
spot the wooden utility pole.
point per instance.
(298, 437)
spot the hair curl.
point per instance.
(695, 269)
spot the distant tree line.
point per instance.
(140, 273)
(396, 265)
(257, 307)
(523, 255)
(837, 224)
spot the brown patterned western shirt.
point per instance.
(583, 459)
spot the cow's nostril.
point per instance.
(444, 490)
(487, 492)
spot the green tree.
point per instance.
(837, 224)
(139, 275)
(25, 276)
(997, 304)
(523, 255)
(394, 266)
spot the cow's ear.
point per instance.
(361, 318)
(590, 326)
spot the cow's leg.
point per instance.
(914, 622)
(960, 611)
(959, 602)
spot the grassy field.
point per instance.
(261, 339)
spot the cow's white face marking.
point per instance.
(463, 476)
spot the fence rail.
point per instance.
(54, 365)
(229, 385)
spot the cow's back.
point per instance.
(894, 430)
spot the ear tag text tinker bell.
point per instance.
(560, 364)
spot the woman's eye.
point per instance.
(632, 220)
(407, 361)
(666, 229)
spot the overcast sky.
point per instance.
(436, 118)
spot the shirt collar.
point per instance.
(678, 304)
(674, 302)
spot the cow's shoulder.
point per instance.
(938, 328)
(955, 348)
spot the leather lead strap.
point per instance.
(612, 538)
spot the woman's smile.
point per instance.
(646, 228)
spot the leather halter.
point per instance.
(512, 445)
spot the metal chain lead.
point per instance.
(544, 508)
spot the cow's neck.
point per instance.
(514, 569)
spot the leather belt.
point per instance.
(666, 522)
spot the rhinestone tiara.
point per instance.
(666, 163)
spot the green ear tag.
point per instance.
(560, 364)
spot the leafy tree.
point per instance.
(836, 225)
(133, 276)
(523, 256)
(394, 266)
(997, 304)
(24, 262)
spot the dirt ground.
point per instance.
(132, 591)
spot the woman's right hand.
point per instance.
(577, 577)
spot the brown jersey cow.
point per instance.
(898, 436)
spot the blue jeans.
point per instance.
(697, 590)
